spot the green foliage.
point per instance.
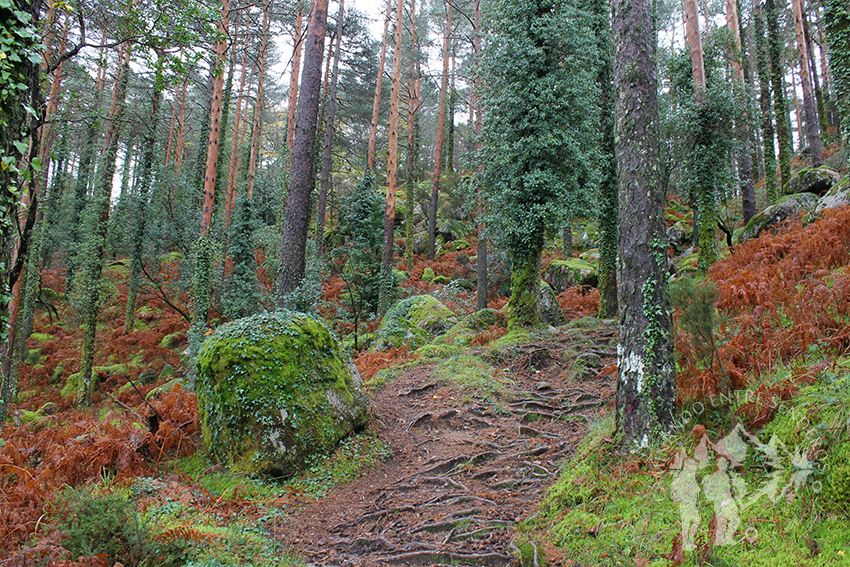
(837, 32)
(706, 127)
(413, 321)
(98, 524)
(693, 299)
(358, 262)
(541, 120)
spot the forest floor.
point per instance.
(463, 472)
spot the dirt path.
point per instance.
(462, 473)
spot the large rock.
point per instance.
(414, 322)
(787, 207)
(562, 274)
(817, 181)
(273, 389)
(837, 196)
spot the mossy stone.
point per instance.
(563, 274)
(427, 275)
(33, 356)
(41, 337)
(440, 280)
(785, 208)
(274, 389)
(413, 321)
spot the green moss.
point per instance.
(474, 377)
(524, 304)
(41, 337)
(273, 389)
(561, 274)
(427, 275)
(440, 280)
(413, 321)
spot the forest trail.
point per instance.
(462, 472)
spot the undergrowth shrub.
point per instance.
(101, 524)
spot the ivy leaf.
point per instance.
(35, 58)
(21, 146)
(36, 165)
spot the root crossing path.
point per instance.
(462, 472)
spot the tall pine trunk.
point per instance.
(481, 269)
(387, 283)
(646, 383)
(809, 103)
(258, 104)
(762, 56)
(837, 32)
(411, 168)
(297, 209)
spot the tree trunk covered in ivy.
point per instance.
(608, 205)
(837, 32)
(820, 94)
(438, 145)
(234, 143)
(809, 103)
(297, 208)
(144, 185)
(385, 296)
(254, 148)
(776, 45)
(95, 223)
(327, 151)
(742, 122)
(540, 132)
(646, 383)
(762, 58)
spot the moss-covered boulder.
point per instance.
(274, 389)
(467, 328)
(550, 310)
(427, 275)
(413, 321)
(818, 181)
(785, 208)
(837, 196)
(562, 274)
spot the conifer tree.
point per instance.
(837, 33)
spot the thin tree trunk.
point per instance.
(438, 149)
(181, 129)
(695, 46)
(837, 32)
(412, 140)
(801, 130)
(234, 145)
(329, 136)
(293, 81)
(297, 209)
(258, 104)
(376, 102)
(482, 284)
(820, 94)
(809, 103)
(386, 285)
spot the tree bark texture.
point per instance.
(438, 145)
(234, 143)
(321, 213)
(392, 170)
(524, 304)
(297, 208)
(646, 384)
(809, 103)
(412, 140)
(215, 124)
(482, 283)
